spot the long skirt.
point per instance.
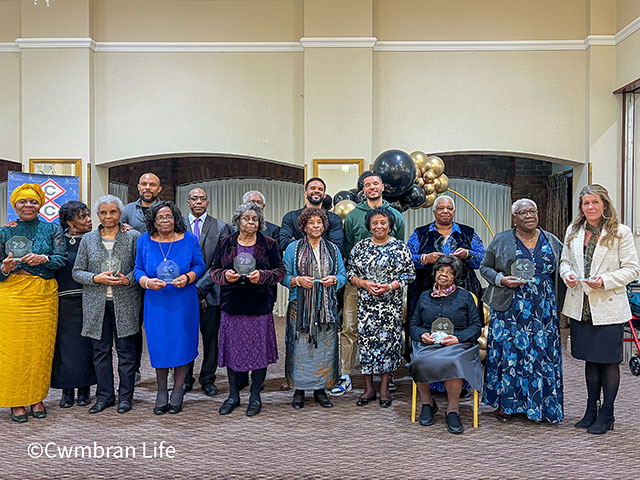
(247, 342)
(73, 355)
(309, 366)
(434, 363)
(28, 319)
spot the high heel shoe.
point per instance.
(39, 413)
(173, 409)
(590, 414)
(362, 401)
(19, 418)
(603, 423)
(161, 410)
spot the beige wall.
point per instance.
(249, 104)
(479, 20)
(521, 102)
(338, 18)
(627, 60)
(601, 17)
(68, 18)
(10, 22)
(198, 20)
(10, 106)
(626, 12)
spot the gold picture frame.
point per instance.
(58, 166)
(338, 173)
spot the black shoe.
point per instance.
(228, 406)
(173, 409)
(254, 408)
(188, 384)
(362, 401)
(603, 423)
(427, 413)
(590, 414)
(39, 413)
(454, 425)
(84, 395)
(161, 410)
(100, 406)
(124, 406)
(66, 400)
(298, 399)
(320, 396)
(386, 403)
(19, 418)
(209, 389)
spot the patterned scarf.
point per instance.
(443, 292)
(316, 305)
(589, 248)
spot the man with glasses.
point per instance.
(208, 230)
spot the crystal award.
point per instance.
(112, 264)
(244, 264)
(19, 246)
(523, 268)
(168, 271)
(441, 244)
(441, 328)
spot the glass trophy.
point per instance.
(18, 246)
(379, 274)
(523, 268)
(441, 244)
(168, 271)
(112, 264)
(441, 328)
(244, 264)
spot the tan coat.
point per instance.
(617, 266)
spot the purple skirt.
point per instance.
(247, 342)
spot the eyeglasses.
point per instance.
(527, 213)
(168, 218)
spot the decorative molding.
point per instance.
(497, 45)
(599, 41)
(194, 47)
(630, 29)
(24, 43)
(7, 47)
(338, 42)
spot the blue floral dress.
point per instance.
(524, 361)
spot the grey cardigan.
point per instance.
(500, 254)
(126, 299)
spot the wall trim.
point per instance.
(630, 29)
(24, 43)
(338, 42)
(6, 47)
(194, 47)
(599, 41)
(497, 45)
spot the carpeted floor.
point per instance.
(343, 442)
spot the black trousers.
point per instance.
(103, 360)
(209, 328)
(138, 336)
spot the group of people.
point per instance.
(76, 290)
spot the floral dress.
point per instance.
(380, 317)
(524, 361)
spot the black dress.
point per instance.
(73, 356)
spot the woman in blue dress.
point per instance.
(168, 262)
(524, 356)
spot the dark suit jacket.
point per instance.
(289, 232)
(270, 230)
(211, 232)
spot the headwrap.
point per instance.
(27, 190)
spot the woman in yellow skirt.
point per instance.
(31, 252)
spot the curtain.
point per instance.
(225, 195)
(557, 195)
(119, 190)
(4, 201)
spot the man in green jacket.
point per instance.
(355, 230)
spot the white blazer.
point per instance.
(616, 265)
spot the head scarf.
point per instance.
(27, 190)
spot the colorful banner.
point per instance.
(57, 188)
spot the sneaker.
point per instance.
(138, 378)
(343, 386)
(392, 384)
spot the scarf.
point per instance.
(317, 305)
(589, 248)
(444, 292)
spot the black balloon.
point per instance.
(354, 191)
(361, 197)
(397, 170)
(414, 197)
(398, 206)
(327, 203)
(343, 195)
(361, 179)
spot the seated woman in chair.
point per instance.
(456, 356)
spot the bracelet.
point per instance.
(146, 283)
(295, 281)
(390, 287)
(5, 274)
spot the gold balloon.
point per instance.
(436, 165)
(344, 207)
(429, 188)
(441, 183)
(420, 181)
(482, 343)
(429, 176)
(420, 159)
(485, 332)
(483, 355)
(428, 203)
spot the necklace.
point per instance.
(527, 240)
(72, 238)
(162, 249)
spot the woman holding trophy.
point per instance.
(524, 357)
(31, 252)
(246, 265)
(168, 263)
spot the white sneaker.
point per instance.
(138, 378)
(343, 386)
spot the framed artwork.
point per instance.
(58, 166)
(338, 173)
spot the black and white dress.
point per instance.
(380, 316)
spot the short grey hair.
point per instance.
(241, 209)
(441, 198)
(246, 196)
(108, 199)
(515, 206)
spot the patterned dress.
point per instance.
(524, 361)
(380, 317)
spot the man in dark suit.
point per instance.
(271, 229)
(208, 230)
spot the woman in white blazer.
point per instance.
(598, 260)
